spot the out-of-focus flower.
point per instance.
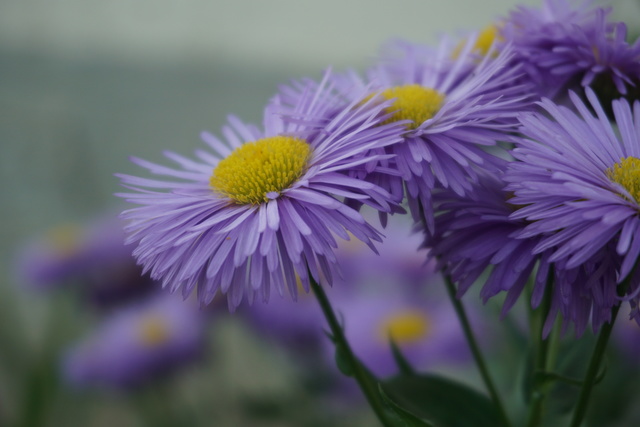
(399, 268)
(456, 101)
(264, 206)
(571, 41)
(577, 182)
(93, 257)
(136, 344)
(425, 328)
(475, 233)
(395, 295)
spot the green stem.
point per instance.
(598, 353)
(592, 370)
(543, 361)
(475, 350)
(368, 387)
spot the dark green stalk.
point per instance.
(475, 350)
(592, 370)
(598, 354)
(542, 361)
(369, 387)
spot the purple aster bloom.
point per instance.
(475, 232)
(137, 344)
(455, 110)
(93, 257)
(425, 329)
(571, 41)
(262, 206)
(577, 182)
(298, 325)
(400, 267)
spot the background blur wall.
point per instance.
(84, 84)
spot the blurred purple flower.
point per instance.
(92, 256)
(475, 233)
(137, 344)
(571, 41)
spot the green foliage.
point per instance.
(445, 403)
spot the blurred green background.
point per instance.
(85, 84)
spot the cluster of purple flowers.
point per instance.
(142, 334)
(505, 151)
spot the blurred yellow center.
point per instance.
(413, 102)
(64, 239)
(627, 173)
(406, 327)
(253, 170)
(486, 38)
(153, 331)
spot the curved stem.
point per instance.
(592, 370)
(475, 350)
(369, 387)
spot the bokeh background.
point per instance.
(84, 84)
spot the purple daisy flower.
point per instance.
(456, 104)
(93, 257)
(263, 206)
(577, 182)
(426, 330)
(136, 344)
(399, 268)
(568, 41)
(475, 232)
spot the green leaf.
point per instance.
(444, 402)
(401, 417)
(403, 364)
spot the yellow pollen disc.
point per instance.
(413, 102)
(260, 167)
(64, 239)
(153, 331)
(406, 327)
(486, 38)
(484, 41)
(627, 173)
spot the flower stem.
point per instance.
(544, 355)
(475, 349)
(368, 386)
(592, 370)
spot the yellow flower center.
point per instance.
(153, 331)
(64, 240)
(484, 41)
(486, 38)
(412, 102)
(627, 173)
(257, 168)
(406, 327)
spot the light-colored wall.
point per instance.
(340, 32)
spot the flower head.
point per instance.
(136, 344)
(576, 178)
(455, 102)
(92, 257)
(264, 206)
(564, 42)
(475, 232)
